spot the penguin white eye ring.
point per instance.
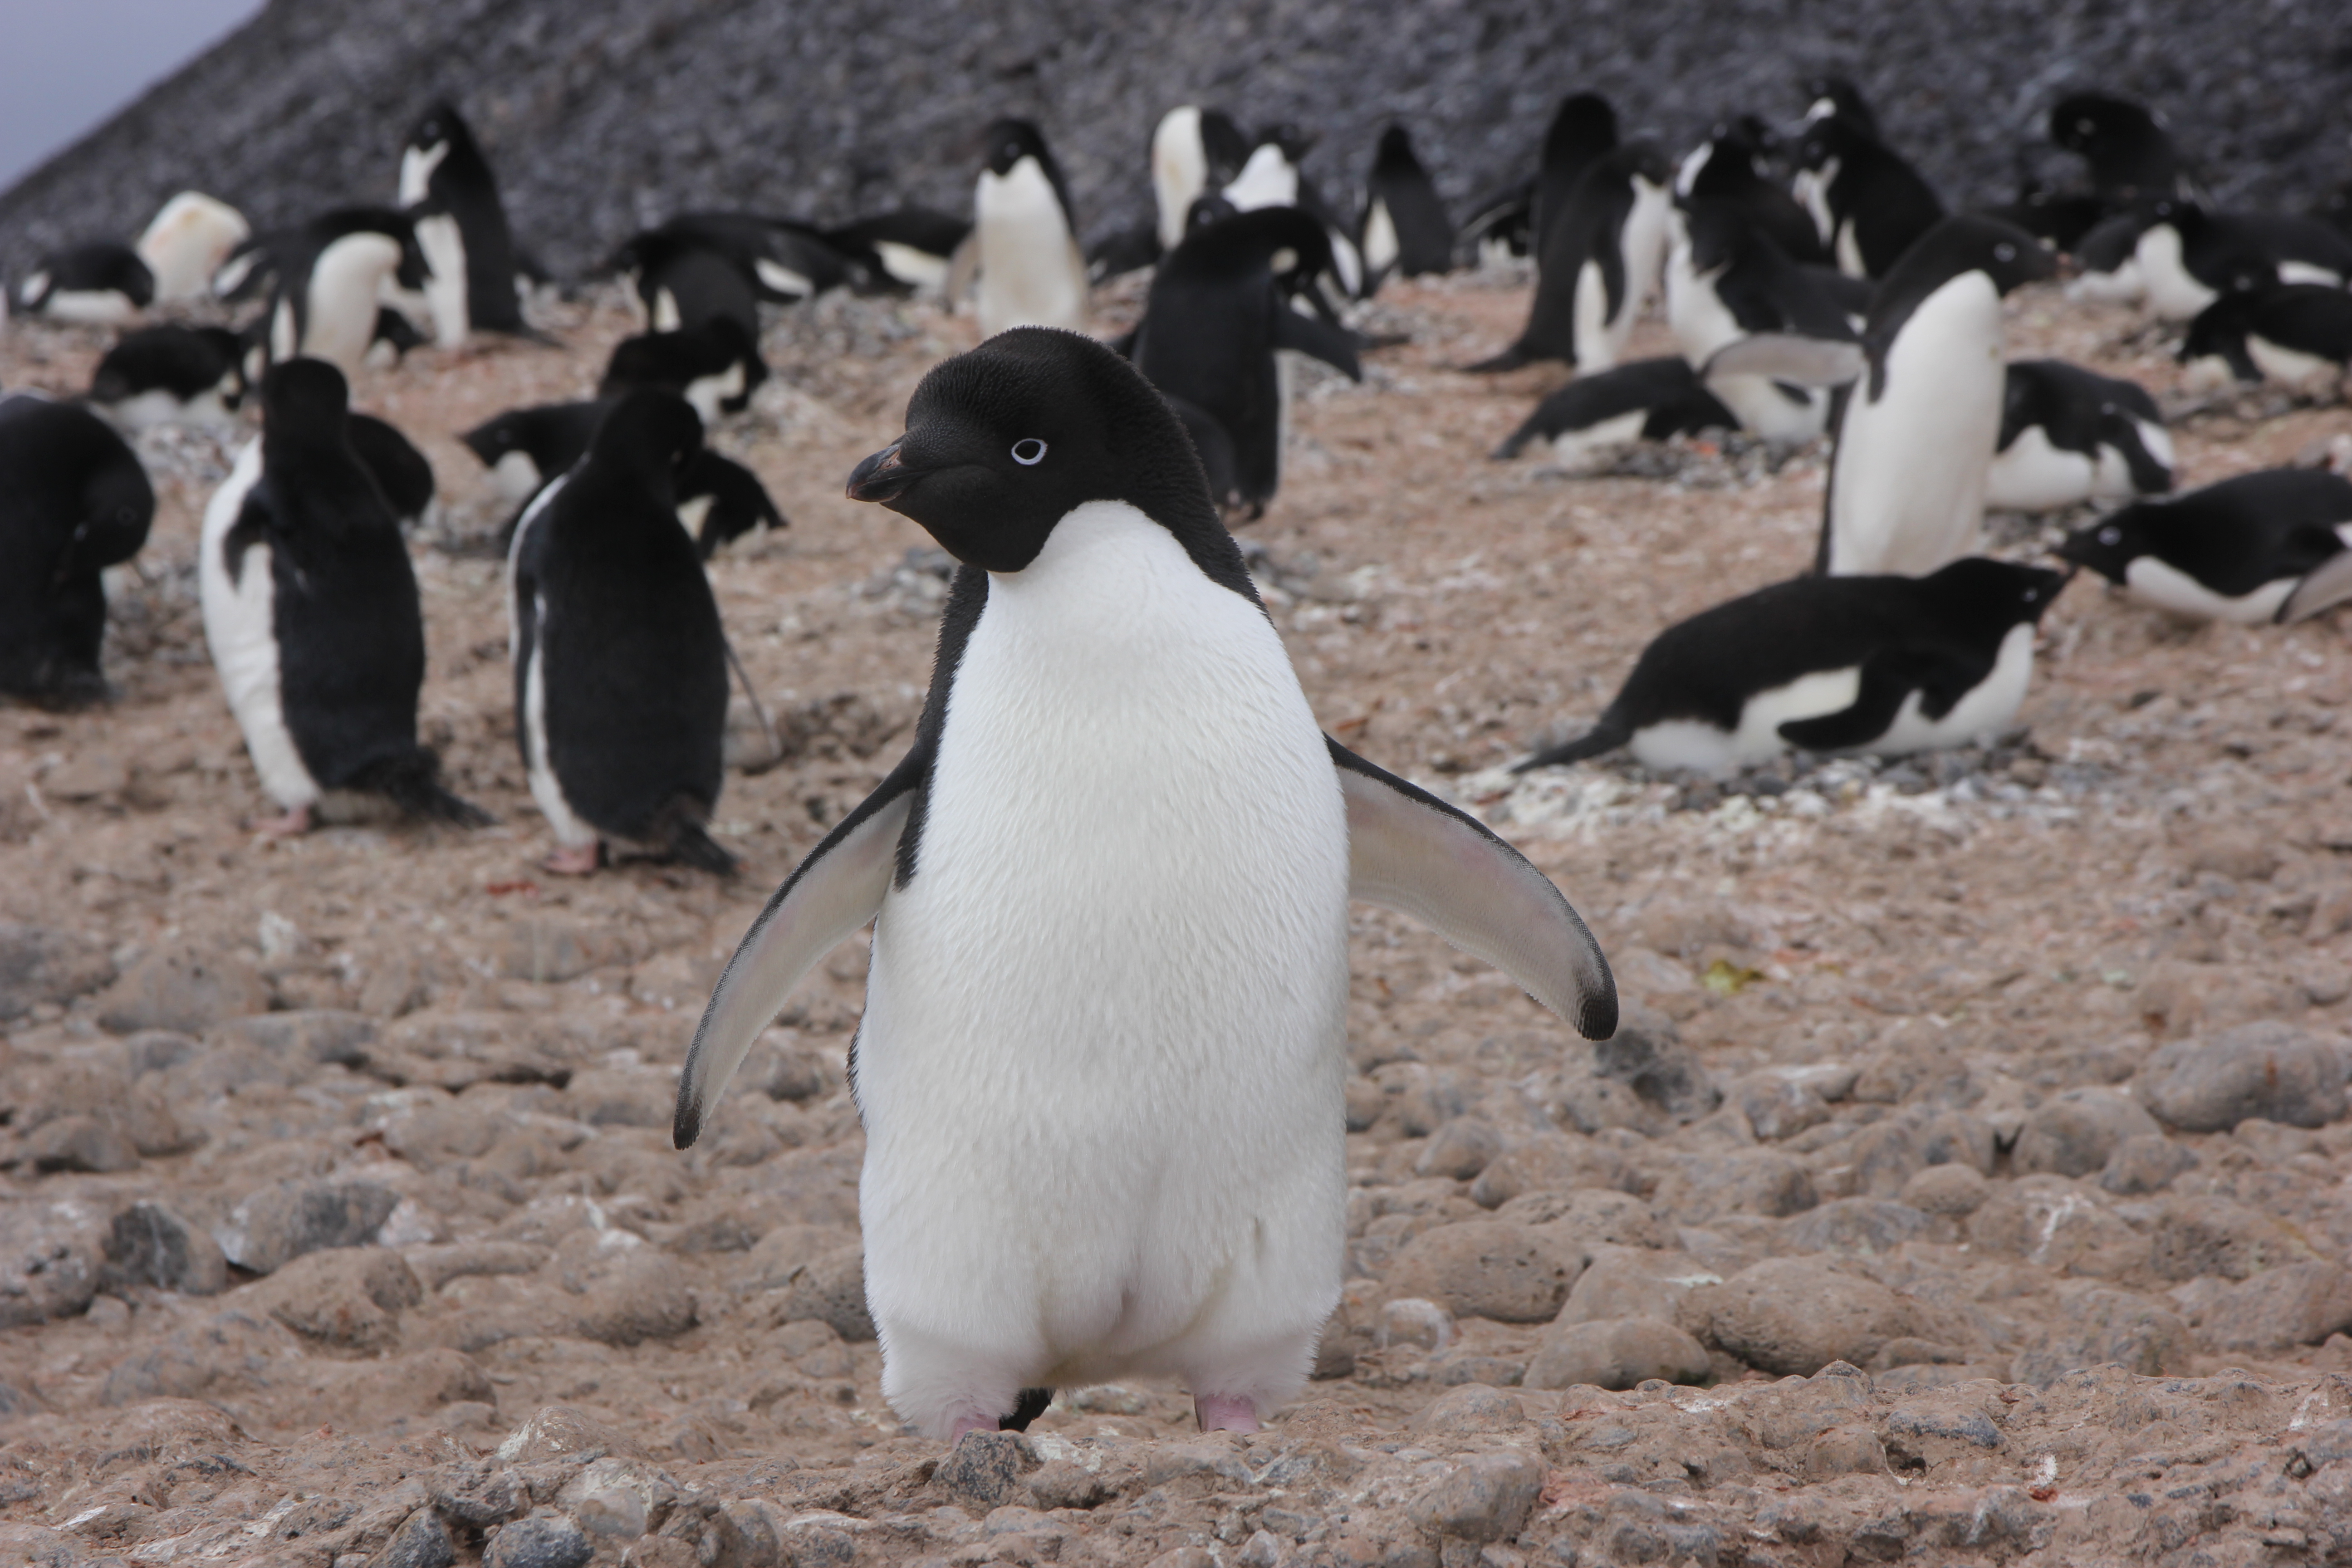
(2004, 251)
(2111, 535)
(1029, 452)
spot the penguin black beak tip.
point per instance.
(882, 477)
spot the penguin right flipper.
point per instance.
(1335, 346)
(838, 888)
(1887, 678)
(1788, 356)
(2323, 587)
(1411, 852)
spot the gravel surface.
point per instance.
(1968, 1183)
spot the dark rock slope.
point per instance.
(603, 114)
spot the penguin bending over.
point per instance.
(2261, 547)
(187, 242)
(2299, 334)
(2130, 153)
(1032, 272)
(1725, 168)
(73, 501)
(2189, 257)
(100, 282)
(912, 246)
(1101, 1064)
(620, 665)
(2070, 435)
(1271, 177)
(311, 613)
(330, 278)
(452, 199)
(1881, 663)
(170, 375)
(1917, 432)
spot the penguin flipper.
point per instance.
(1335, 346)
(1411, 852)
(1886, 679)
(836, 890)
(2324, 586)
(1788, 356)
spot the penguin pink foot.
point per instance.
(963, 1424)
(572, 860)
(292, 825)
(1226, 1413)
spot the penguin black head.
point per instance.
(1009, 141)
(1207, 209)
(1833, 97)
(1582, 128)
(303, 400)
(1998, 593)
(1395, 154)
(1004, 441)
(1294, 143)
(2110, 545)
(1971, 242)
(442, 126)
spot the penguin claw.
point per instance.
(291, 825)
(572, 860)
(1226, 1413)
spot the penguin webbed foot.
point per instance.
(575, 859)
(291, 825)
(1226, 1413)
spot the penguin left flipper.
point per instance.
(1788, 356)
(1887, 678)
(836, 890)
(1335, 346)
(2323, 587)
(1410, 852)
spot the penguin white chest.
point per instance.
(1030, 274)
(340, 305)
(240, 604)
(1100, 1063)
(2173, 292)
(444, 245)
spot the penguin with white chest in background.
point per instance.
(2188, 257)
(2264, 546)
(2070, 435)
(1916, 430)
(2298, 334)
(187, 242)
(716, 366)
(1194, 151)
(1032, 272)
(73, 501)
(450, 195)
(1868, 202)
(311, 613)
(331, 276)
(100, 283)
(1766, 334)
(1875, 664)
(1103, 1054)
(620, 663)
(1599, 260)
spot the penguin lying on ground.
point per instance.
(620, 666)
(1100, 1069)
(1024, 234)
(1405, 227)
(700, 266)
(312, 613)
(1599, 260)
(716, 367)
(2106, 261)
(2242, 549)
(73, 501)
(2299, 334)
(100, 282)
(2189, 256)
(187, 242)
(2069, 436)
(1647, 400)
(525, 449)
(912, 246)
(1887, 664)
(170, 375)
(1916, 431)
(452, 198)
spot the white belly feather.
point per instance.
(1030, 274)
(240, 629)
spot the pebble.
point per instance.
(1864, 1227)
(2094, 1325)
(1413, 1321)
(986, 1468)
(1794, 1315)
(43, 966)
(1617, 1352)
(2272, 1070)
(2294, 1304)
(1636, 1283)
(1487, 1499)
(1954, 1191)
(1486, 1268)
(2076, 1133)
(51, 1258)
(149, 1244)
(2146, 1163)
(281, 1222)
(421, 1541)
(349, 1298)
(1461, 1148)
(546, 1541)
(185, 987)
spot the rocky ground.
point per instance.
(1968, 1183)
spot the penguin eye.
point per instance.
(2004, 251)
(1284, 259)
(1029, 453)
(2111, 536)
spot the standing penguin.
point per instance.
(620, 666)
(73, 501)
(451, 197)
(1103, 1054)
(1032, 272)
(1405, 227)
(330, 274)
(102, 282)
(1509, 220)
(187, 242)
(1916, 431)
(1194, 151)
(1868, 202)
(2070, 435)
(311, 613)
(1213, 326)
(1600, 262)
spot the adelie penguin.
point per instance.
(1213, 329)
(1600, 262)
(187, 242)
(1032, 272)
(1405, 227)
(620, 664)
(100, 283)
(2131, 155)
(1648, 400)
(698, 267)
(1766, 334)
(716, 367)
(73, 501)
(312, 613)
(1194, 151)
(914, 246)
(1508, 220)
(1271, 177)
(170, 375)
(2188, 257)
(1916, 430)
(2069, 436)
(1869, 203)
(2264, 546)
(452, 199)
(1101, 1066)
(329, 275)
(1725, 168)
(1882, 664)
(2298, 334)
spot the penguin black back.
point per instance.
(2131, 155)
(73, 501)
(2234, 537)
(1877, 203)
(1583, 130)
(184, 362)
(1401, 194)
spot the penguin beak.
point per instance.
(882, 477)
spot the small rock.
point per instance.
(1777, 1106)
(831, 1290)
(708, 1529)
(278, 1223)
(2294, 1304)
(2148, 1163)
(1646, 1054)
(1488, 1499)
(1794, 1316)
(319, 1036)
(1863, 1226)
(2077, 1133)
(1485, 1268)
(158, 1050)
(38, 965)
(1955, 1191)
(631, 1293)
(758, 1527)
(558, 1432)
(547, 1541)
(1461, 1148)
(349, 1298)
(2270, 1069)
(1617, 1352)
(2050, 1221)
(782, 1071)
(51, 1256)
(86, 1143)
(1470, 1409)
(2095, 1325)
(2197, 1237)
(2240, 853)
(183, 986)
(1636, 1283)
(1062, 1484)
(1547, 1162)
(1700, 1188)
(421, 1541)
(609, 1097)
(150, 1244)
(1413, 1321)
(986, 1468)
(614, 1513)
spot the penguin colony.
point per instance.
(1100, 1065)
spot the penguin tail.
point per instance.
(1605, 736)
(1511, 358)
(1030, 1404)
(413, 784)
(678, 829)
(1516, 443)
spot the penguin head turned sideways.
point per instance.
(1004, 441)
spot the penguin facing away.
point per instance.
(1882, 664)
(100, 282)
(526, 449)
(170, 375)
(2299, 334)
(403, 475)
(2260, 547)
(1405, 227)
(451, 197)
(620, 664)
(185, 243)
(1917, 432)
(1032, 272)
(1600, 259)
(1646, 400)
(2070, 435)
(73, 501)
(1100, 1066)
(311, 613)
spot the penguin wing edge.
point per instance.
(2324, 586)
(1410, 852)
(1788, 356)
(836, 890)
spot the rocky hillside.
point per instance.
(603, 114)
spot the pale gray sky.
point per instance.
(69, 64)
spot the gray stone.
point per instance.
(158, 1050)
(1864, 1226)
(1485, 1268)
(1546, 1162)
(783, 1072)
(2272, 1070)
(758, 1527)
(2294, 1304)
(707, 1529)
(1778, 1106)
(613, 1513)
(345, 1298)
(2078, 1133)
(1953, 1190)
(1646, 1054)
(281, 1222)
(1794, 1316)
(2196, 1236)
(2145, 1164)
(830, 1289)
(1617, 1352)
(51, 1255)
(320, 1037)
(2052, 1222)
(1636, 1283)
(150, 1244)
(185, 987)
(2096, 1325)
(629, 1292)
(545, 1541)
(986, 1468)
(40, 966)
(85, 1143)
(1707, 1186)
(1470, 1410)
(609, 1097)
(421, 1541)
(1461, 1148)
(1487, 1499)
